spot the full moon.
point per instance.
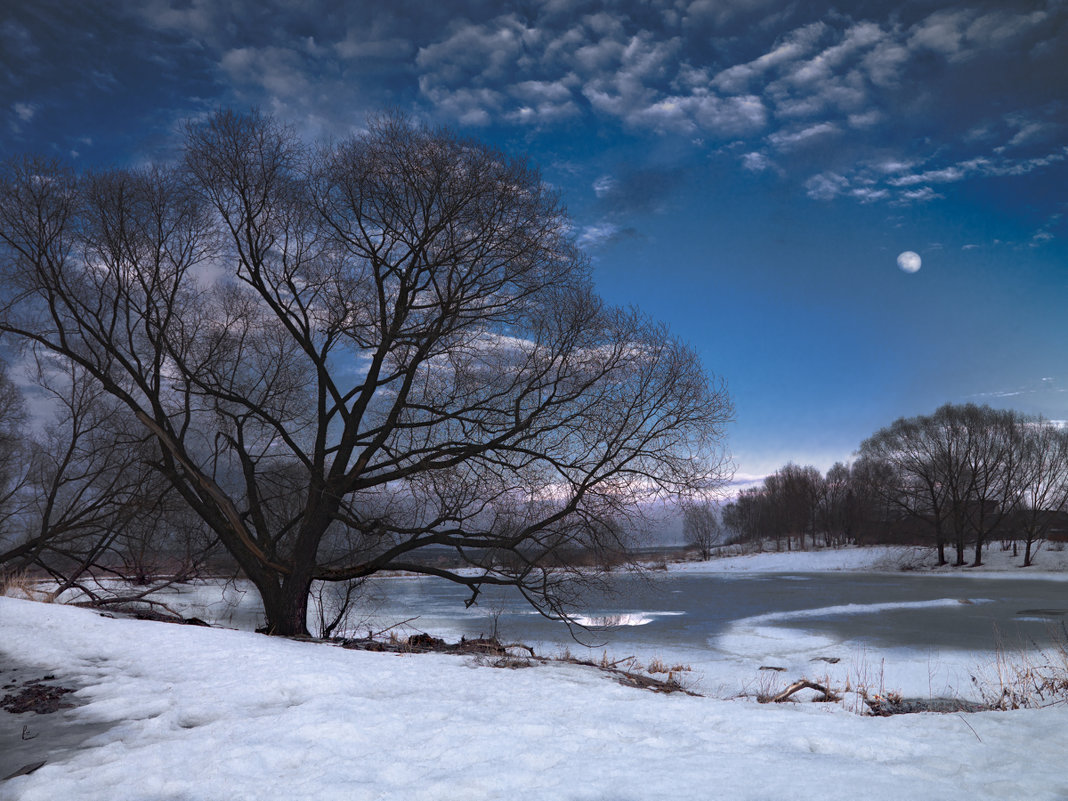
(909, 262)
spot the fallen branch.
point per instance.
(803, 684)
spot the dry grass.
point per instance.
(19, 585)
(1026, 679)
(657, 665)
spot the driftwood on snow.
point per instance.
(804, 684)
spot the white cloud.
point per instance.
(979, 166)
(826, 64)
(279, 71)
(486, 51)
(866, 119)
(558, 91)
(540, 114)
(924, 194)
(756, 162)
(960, 34)
(826, 186)
(25, 111)
(598, 234)
(469, 106)
(701, 112)
(944, 175)
(796, 44)
(885, 63)
(785, 140)
(603, 185)
(868, 194)
(943, 32)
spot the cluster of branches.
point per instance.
(961, 477)
(348, 357)
(79, 500)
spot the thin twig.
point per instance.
(969, 725)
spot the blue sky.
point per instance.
(746, 171)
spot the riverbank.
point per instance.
(197, 713)
(1049, 563)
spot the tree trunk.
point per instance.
(941, 553)
(285, 607)
(978, 551)
(1027, 552)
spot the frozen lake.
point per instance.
(929, 633)
(700, 610)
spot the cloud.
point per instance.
(25, 111)
(795, 45)
(469, 106)
(823, 67)
(949, 174)
(625, 84)
(981, 166)
(543, 102)
(785, 140)
(923, 194)
(942, 32)
(867, 194)
(826, 186)
(961, 34)
(604, 185)
(604, 233)
(278, 71)
(702, 113)
(756, 162)
(822, 100)
(484, 51)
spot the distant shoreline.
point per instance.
(1049, 563)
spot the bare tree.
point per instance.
(994, 454)
(1042, 488)
(701, 526)
(913, 471)
(350, 355)
(958, 469)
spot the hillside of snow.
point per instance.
(180, 712)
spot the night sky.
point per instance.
(746, 171)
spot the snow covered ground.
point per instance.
(180, 712)
(1048, 563)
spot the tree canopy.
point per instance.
(345, 356)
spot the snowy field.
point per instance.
(180, 712)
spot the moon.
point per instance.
(909, 262)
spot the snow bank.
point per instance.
(191, 713)
(890, 558)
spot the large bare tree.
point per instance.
(351, 354)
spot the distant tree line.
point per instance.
(957, 479)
